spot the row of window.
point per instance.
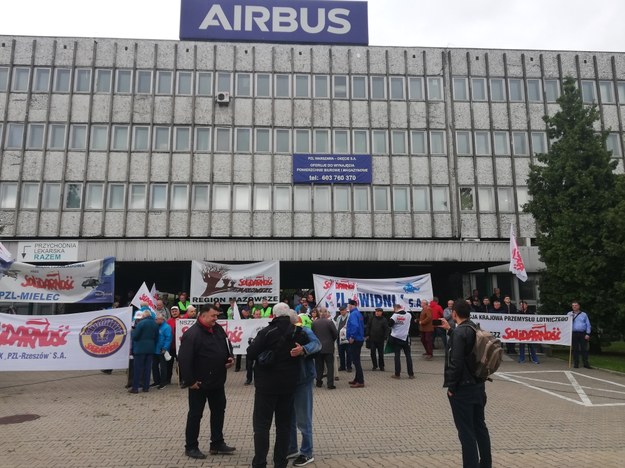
(282, 85)
(320, 198)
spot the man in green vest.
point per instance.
(183, 302)
(265, 310)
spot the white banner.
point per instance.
(239, 331)
(333, 291)
(520, 328)
(144, 295)
(86, 341)
(91, 282)
(212, 282)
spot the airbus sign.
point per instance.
(301, 21)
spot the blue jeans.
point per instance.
(302, 419)
(142, 367)
(354, 351)
(532, 349)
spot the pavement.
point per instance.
(538, 415)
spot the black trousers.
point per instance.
(159, 369)
(325, 360)
(377, 354)
(265, 405)
(467, 408)
(217, 404)
(354, 351)
(404, 346)
(580, 346)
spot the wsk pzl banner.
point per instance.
(371, 293)
(86, 341)
(519, 328)
(239, 331)
(86, 282)
(212, 282)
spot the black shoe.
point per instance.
(381, 369)
(248, 382)
(145, 390)
(349, 369)
(331, 387)
(221, 448)
(341, 369)
(154, 384)
(132, 390)
(576, 366)
(162, 386)
(303, 460)
(127, 385)
(237, 370)
(587, 366)
(319, 384)
(374, 368)
(195, 453)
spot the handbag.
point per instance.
(367, 344)
(389, 348)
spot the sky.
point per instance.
(578, 25)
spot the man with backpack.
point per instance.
(466, 391)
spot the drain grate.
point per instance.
(18, 418)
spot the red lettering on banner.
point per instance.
(518, 261)
(31, 336)
(260, 280)
(52, 282)
(147, 299)
(537, 333)
(345, 285)
(236, 335)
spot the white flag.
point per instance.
(236, 315)
(6, 259)
(144, 295)
(516, 262)
(153, 290)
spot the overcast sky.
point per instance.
(579, 25)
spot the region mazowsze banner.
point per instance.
(239, 331)
(521, 328)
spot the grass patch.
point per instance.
(612, 357)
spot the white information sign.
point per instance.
(47, 251)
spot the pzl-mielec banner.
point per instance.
(291, 21)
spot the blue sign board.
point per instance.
(300, 21)
(332, 168)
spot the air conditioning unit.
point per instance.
(223, 98)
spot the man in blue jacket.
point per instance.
(356, 337)
(159, 364)
(144, 338)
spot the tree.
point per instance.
(573, 191)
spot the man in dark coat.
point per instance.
(327, 333)
(144, 337)
(376, 332)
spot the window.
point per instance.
(4, 78)
(302, 86)
(478, 86)
(158, 197)
(381, 199)
(94, 196)
(361, 142)
(522, 197)
(589, 95)
(321, 201)
(301, 195)
(606, 91)
(502, 144)
(302, 141)
(461, 90)
(467, 199)
(397, 88)
(184, 83)
(15, 136)
(361, 198)
(421, 199)
(116, 196)
(41, 82)
(21, 79)
(341, 141)
(401, 199)
(515, 87)
(418, 144)
(161, 139)
(182, 138)
(379, 142)
(179, 197)
(120, 138)
(282, 198)
(263, 85)
(62, 79)
(73, 196)
(497, 89)
(244, 84)
(505, 199)
(620, 86)
(415, 88)
(359, 87)
(262, 141)
(519, 143)
(378, 87)
(202, 139)
(82, 80)
(435, 88)
(534, 91)
(321, 141)
(137, 197)
(164, 82)
(539, 142)
(440, 199)
(144, 82)
(243, 141)
(437, 142)
(204, 84)
(30, 196)
(613, 144)
(99, 137)
(8, 195)
(283, 141)
(482, 143)
(124, 81)
(340, 86)
(341, 198)
(103, 79)
(56, 137)
(51, 196)
(78, 137)
(283, 86)
(487, 201)
(224, 82)
(321, 86)
(141, 138)
(200, 198)
(222, 140)
(35, 136)
(398, 141)
(552, 90)
(463, 142)
(262, 198)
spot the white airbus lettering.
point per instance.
(334, 16)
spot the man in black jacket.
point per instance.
(376, 332)
(204, 356)
(467, 395)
